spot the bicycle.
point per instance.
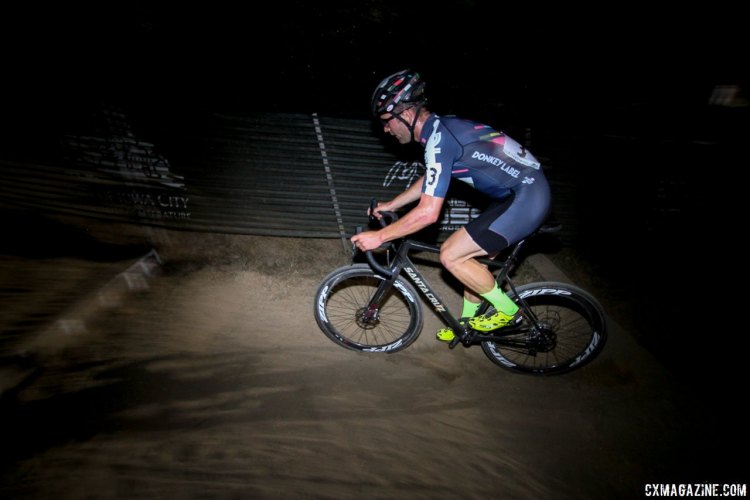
(374, 307)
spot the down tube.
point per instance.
(432, 297)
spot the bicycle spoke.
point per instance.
(391, 325)
(568, 333)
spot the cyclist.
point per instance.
(489, 161)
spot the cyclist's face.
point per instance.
(395, 127)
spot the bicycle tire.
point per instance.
(343, 295)
(574, 331)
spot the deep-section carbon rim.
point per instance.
(572, 331)
(341, 311)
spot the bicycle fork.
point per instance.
(369, 315)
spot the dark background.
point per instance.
(613, 98)
(477, 56)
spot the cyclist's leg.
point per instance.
(476, 239)
(481, 234)
(459, 260)
(457, 254)
(502, 225)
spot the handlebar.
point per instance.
(371, 258)
(385, 219)
(391, 216)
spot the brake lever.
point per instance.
(357, 230)
(371, 213)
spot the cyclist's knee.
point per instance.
(458, 249)
(446, 258)
(451, 257)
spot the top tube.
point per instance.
(389, 217)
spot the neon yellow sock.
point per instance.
(500, 301)
(470, 308)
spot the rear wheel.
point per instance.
(570, 331)
(341, 311)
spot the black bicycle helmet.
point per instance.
(403, 88)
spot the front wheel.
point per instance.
(569, 331)
(344, 313)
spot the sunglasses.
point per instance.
(385, 121)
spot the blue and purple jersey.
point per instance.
(491, 162)
(488, 160)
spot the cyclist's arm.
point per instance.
(425, 213)
(411, 194)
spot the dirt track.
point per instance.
(216, 382)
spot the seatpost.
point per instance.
(513, 257)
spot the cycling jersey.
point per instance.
(491, 162)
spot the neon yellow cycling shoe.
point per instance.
(447, 334)
(487, 323)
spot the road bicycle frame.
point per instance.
(371, 307)
(401, 262)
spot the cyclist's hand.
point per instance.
(369, 240)
(380, 208)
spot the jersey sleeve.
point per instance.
(441, 151)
